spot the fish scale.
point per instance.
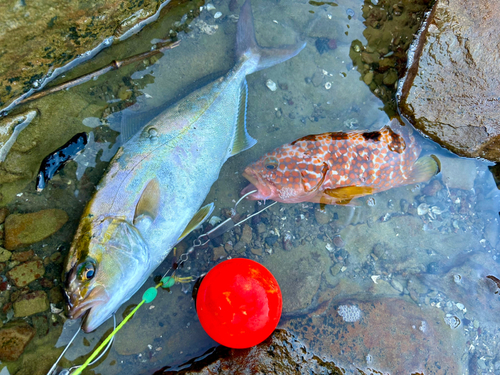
(336, 167)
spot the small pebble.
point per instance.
(217, 15)
(271, 85)
(210, 6)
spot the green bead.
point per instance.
(149, 295)
(167, 282)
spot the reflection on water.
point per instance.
(417, 263)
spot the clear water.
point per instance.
(412, 261)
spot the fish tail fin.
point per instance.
(424, 169)
(247, 47)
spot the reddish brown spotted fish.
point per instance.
(334, 168)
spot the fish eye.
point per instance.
(271, 163)
(87, 270)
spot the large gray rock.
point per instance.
(281, 353)
(452, 88)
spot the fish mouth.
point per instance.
(263, 191)
(78, 306)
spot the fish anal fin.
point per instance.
(424, 169)
(198, 218)
(149, 202)
(242, 140)
(345, 194)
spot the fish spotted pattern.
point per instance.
(335, 167)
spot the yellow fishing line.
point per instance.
(105, 342)
(148, 296)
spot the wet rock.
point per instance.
(458, 173)
(317, 78)
(246, 235)
(4, 212)
(5, 255)
(13, 339)
(256, 251)
(25, 273)
(281, 353)
(219, 253)
(323, 216)
(240, 247)
(31, 303)
(261, 228)
(271, 240)
(56, 295)
(36, 38)
(56, 258)
(388, 34)
(41, 325)
(299, 274)
(23, 256)
(25, 229)
(392, 336)
(432, 188)
(452, 88)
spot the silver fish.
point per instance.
(149, 199)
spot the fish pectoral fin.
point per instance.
(149, 202)
(197, 220)
(242, 140)
(424, 169)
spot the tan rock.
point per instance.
(27, 272)
(452, 89)
(4, 212)
(23, 256)
(4, 255)
(25, 229)
(31, 303)
(37, 36)
(13, 340)
(219, 253)
(246, 235)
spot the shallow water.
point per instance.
(412, 261)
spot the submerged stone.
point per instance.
(27, 272)
(13, 340)
(36, 38)
(281, 353)
(31, 303)
(452, 88)
(389, 335)
(25, 229)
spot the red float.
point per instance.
(239, 303)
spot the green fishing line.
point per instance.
(148, 297)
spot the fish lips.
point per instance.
(264, 191)
(88, 305)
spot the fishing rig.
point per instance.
(167, 281)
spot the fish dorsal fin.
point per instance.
(345, 194)
(242, 140)
(424, 168)
(198, 218)
(149, 202)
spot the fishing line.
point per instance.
(151, 293)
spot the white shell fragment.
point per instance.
(210, 6)
(423, 209)
(271, 85)
(328, 85)
(375, 278)
(218, 15)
